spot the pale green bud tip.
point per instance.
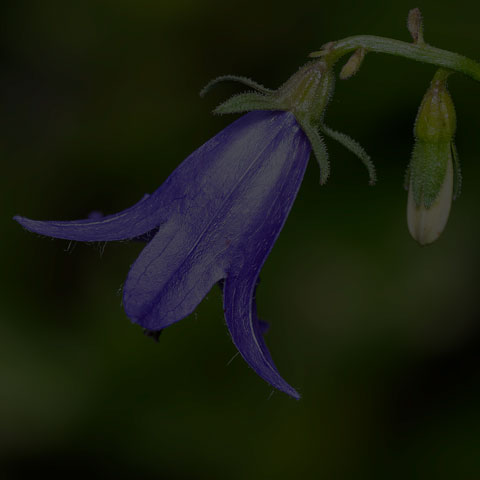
(426, 224)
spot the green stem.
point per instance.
(441, 75)
(422, 53)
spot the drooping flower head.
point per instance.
(216, 217)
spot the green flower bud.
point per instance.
(415, 26)
(433, 174)
(353, 65)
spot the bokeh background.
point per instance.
(98, 104)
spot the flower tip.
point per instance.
(415, 25)
(426, 224)
(291, 392)
(294, 394)
(21, 220)
(422, 231)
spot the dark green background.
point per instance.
(98, 104)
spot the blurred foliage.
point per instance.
(99, 103)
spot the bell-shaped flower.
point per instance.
(216, 217)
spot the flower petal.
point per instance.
(239, 290)
(202, 180)
(246, 331)
(166, 283)
(133, 222)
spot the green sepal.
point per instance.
(428, 168)
(246, 102)
(457, 173)
(318, 148)
(234, 78)
(355, 148)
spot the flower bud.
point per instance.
(415, 26)
(433, 167)
(353, 65)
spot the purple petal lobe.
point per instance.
(260, 233)
(245, 328)
(201, 181)
(166, 283)
(225, 229)
(133, 222)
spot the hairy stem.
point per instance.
(419, 52)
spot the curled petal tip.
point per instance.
(246, 330)
(138, 220)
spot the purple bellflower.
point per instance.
(216, 217)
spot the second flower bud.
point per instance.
(433, 176)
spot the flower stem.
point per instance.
(419, 52)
